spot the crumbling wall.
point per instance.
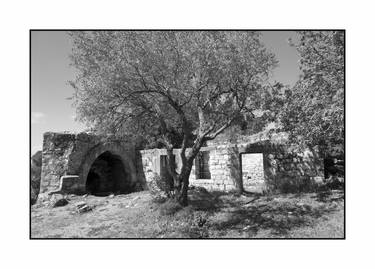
(265, 167)
(57, 148)
(35, 175)
(286, 169)
(73, 154)
(149, 162)
(290, 171)
(66, 154)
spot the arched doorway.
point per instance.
(107, 175)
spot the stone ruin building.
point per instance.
(84, 163)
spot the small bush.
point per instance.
(196, 232)
(335, 183)
(296, 185)
(202, 190)
(170, 207)
(159, 186)
(157, 199)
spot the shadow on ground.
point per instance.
(251, 213)
(209, 215)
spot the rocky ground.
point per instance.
(209, 215)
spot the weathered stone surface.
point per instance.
(256, 166)
(69, 183)
(68, 159)
(36, 170)
(83, 208)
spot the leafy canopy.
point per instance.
(167, 83)
(314, 111)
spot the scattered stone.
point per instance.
(246, 227)
(80, 204)
(82, 207)
(111, 196)
(60, 202)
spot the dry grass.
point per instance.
(209, 215)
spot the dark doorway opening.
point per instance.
(108, 175)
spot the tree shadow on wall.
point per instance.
(235, 167)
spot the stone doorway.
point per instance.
(252, 171)
(107, 175)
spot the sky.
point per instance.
(51, 71)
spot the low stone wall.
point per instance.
(248, 166)
(255, 166)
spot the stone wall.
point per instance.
(293, 171)
(35, 175)
(150, 163)
(251, 167)
(55, 158)
(220, 165)
(67, 154)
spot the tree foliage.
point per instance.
(314, 111)
(178, 88)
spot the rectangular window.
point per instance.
(164, 166)
(202, 169)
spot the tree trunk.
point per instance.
(181, 194)
(174, 184)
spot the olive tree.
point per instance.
(182, 87)
(313, 113)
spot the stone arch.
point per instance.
(110, 150)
